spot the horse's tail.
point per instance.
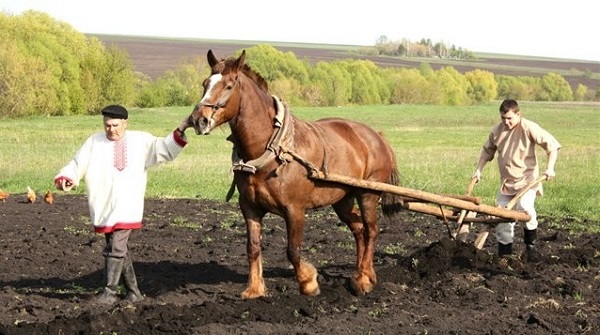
(392, 203)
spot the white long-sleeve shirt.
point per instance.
(116, 197)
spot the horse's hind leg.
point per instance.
(306, 273)
(366, 278)
(350, 215)
(365, 235)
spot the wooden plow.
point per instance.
(464, 207)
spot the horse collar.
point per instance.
(274, 149)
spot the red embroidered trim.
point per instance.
(120, 154)
(178, 138)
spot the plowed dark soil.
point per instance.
(190, 260)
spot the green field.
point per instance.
(437, 149)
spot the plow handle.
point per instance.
(471, 186)
(469, 191)
(463, 230)
(519, 195)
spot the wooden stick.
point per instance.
(480, 240)
(430, 197)
(513, 202)
(442, 213)
(475, 200)
(428, 209)
(463, 229)
(481, 237)
(471, 185)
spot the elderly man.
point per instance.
(114, 164)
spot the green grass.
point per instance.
(437, 149)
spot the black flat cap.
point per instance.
(115, 112)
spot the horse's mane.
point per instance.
(257, 78)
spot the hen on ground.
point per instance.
(4, 195)
(30, 195)
(49, 198)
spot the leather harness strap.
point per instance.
(280, 137)
(279, 147)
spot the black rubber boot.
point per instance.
(112, 274)
(531, 253)
(529, 236)
(133, 293)
(504, 249)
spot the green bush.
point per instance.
(332, 85)
(51, 69)
(179, 87)
(25, 83)
(482, 86)
(454, 86)
(555, 88)
(409, 86)
(273, 64)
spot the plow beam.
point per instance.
(511, 215)
(447, 214)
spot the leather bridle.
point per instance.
(223, 100)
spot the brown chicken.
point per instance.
(4, 195)
(30, 195)
(49, 198)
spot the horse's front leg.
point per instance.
(306, 273)
(256, 283)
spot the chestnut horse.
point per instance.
(274, 155)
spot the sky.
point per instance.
(552, 28)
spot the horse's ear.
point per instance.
(212, 60)
(239, 63)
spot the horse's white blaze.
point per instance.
(212, 81)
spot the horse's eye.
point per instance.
(231, 83)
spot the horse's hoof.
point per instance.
(363, 285)
(250, 293)
(311, 289)
(361, 290)
(307, 277)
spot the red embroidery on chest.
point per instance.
(121, 154)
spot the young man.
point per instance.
(514, 139)
(114, 164)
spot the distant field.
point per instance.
(154, 56)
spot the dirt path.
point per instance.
(191, 265)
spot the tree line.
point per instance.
(48, 68)
(423, 48)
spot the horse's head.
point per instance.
(220, 101)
